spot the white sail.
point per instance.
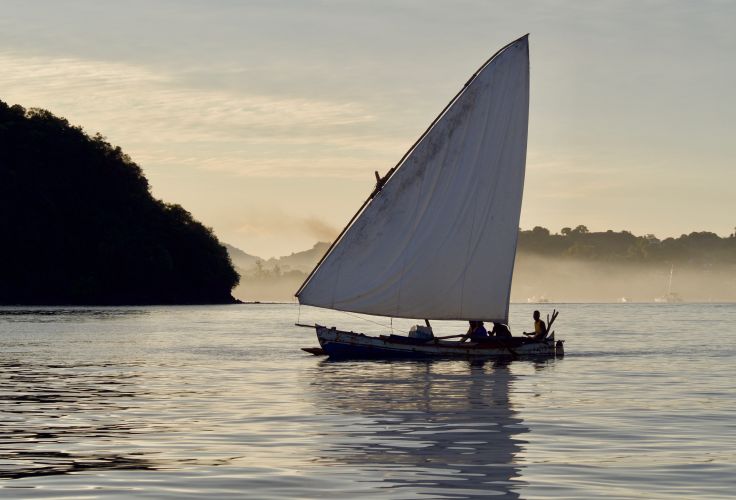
(438, 241)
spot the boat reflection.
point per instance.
(437, 429)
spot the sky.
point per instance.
(267, 119)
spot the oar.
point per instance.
(555, 313)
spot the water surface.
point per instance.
(187, 402)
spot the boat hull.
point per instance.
(339, 344)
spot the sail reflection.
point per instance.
(435, 429)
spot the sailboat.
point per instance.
(436, 239)
(670, 296)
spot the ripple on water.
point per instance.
(184, 402)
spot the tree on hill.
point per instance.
(697, 248)
(79, 224)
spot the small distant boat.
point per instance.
(670, 297)
(537, 300)
(623, 300)
(436, 239)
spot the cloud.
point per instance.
(274, 223)
(159, 120)
(320, 229)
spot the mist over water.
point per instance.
(545, 278)
(188, 402)
(570, 280)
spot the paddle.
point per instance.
(555, 313)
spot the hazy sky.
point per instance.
(266, 119)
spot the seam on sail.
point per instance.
(404, 256)
(478, 150)
(453, 166)
(426, 204)
(516, 234)
(496, 180)
(515, 229)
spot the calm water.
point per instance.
(187, 402)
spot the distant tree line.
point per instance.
(697, 248)
(79, 225)
(261, 272)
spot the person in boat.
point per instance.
(540, 329)
(501, 331)
(476, 332)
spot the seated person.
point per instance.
(540, 329)
(500, 331)
(476, 332)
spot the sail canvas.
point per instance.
(438, 241)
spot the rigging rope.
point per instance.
(374, 322)
(390, 325)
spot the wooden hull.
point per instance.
(349, 345)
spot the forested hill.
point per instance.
(698, 248)
(79, 224)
